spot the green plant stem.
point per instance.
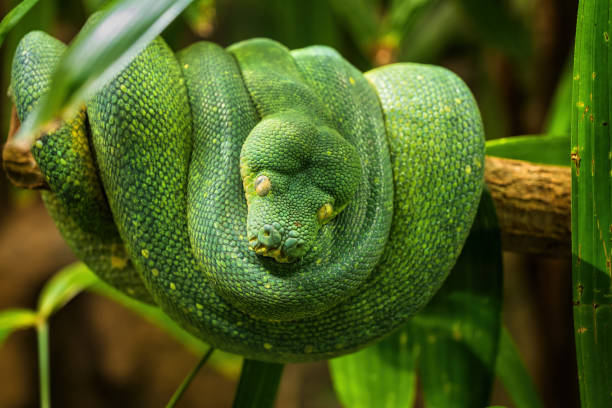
(42, 331)
(258, 384)
(181, 389)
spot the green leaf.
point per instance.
(14, 16)
(514, 376)
(41, 17)
(97, 54)
(453, 341)
(383, 375)
(591, 202)
(426, 38)
(62, 287)
(543, 149)
(499, 26)
(92, 6)
(258, 384)
(460, 327)
(15, 319)
(558, 119)
(360, 19)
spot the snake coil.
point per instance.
(277, 204)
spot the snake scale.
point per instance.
(277, 204)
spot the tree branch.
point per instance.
(533, 204)
(533, 201)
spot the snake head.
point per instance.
(297, 177)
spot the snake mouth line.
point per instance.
(278, 253)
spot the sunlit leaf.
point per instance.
(15, 319)
(14, 16)
(94, 5)
(543, 149)
(97, 54)
(62, 287)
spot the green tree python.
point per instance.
(277, 204)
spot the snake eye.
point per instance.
(262, 185)
(325, 212)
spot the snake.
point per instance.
(278, 204)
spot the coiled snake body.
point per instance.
(277, 204)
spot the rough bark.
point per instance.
(19, 165)
(533, 205)
(533, 201)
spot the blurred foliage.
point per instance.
(475, 38)
(511, 55)
(452, 344)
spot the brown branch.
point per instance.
(19, 165)
(533, 205)
(532, 201)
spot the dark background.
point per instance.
(512, 54)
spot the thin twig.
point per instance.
(181, 389)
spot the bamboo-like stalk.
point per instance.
(591, 205)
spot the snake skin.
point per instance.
(374, 181)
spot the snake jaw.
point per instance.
(278, 253)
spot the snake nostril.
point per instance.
(269, 236)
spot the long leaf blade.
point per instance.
(453, 341)
(382, 375)
(543, 149)
(258, 384)
(591, 208)
(15, 319)
(14, 16)
(62, 287)
(96, 55)
(460, 327)
(558, 118)
(514, 376)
